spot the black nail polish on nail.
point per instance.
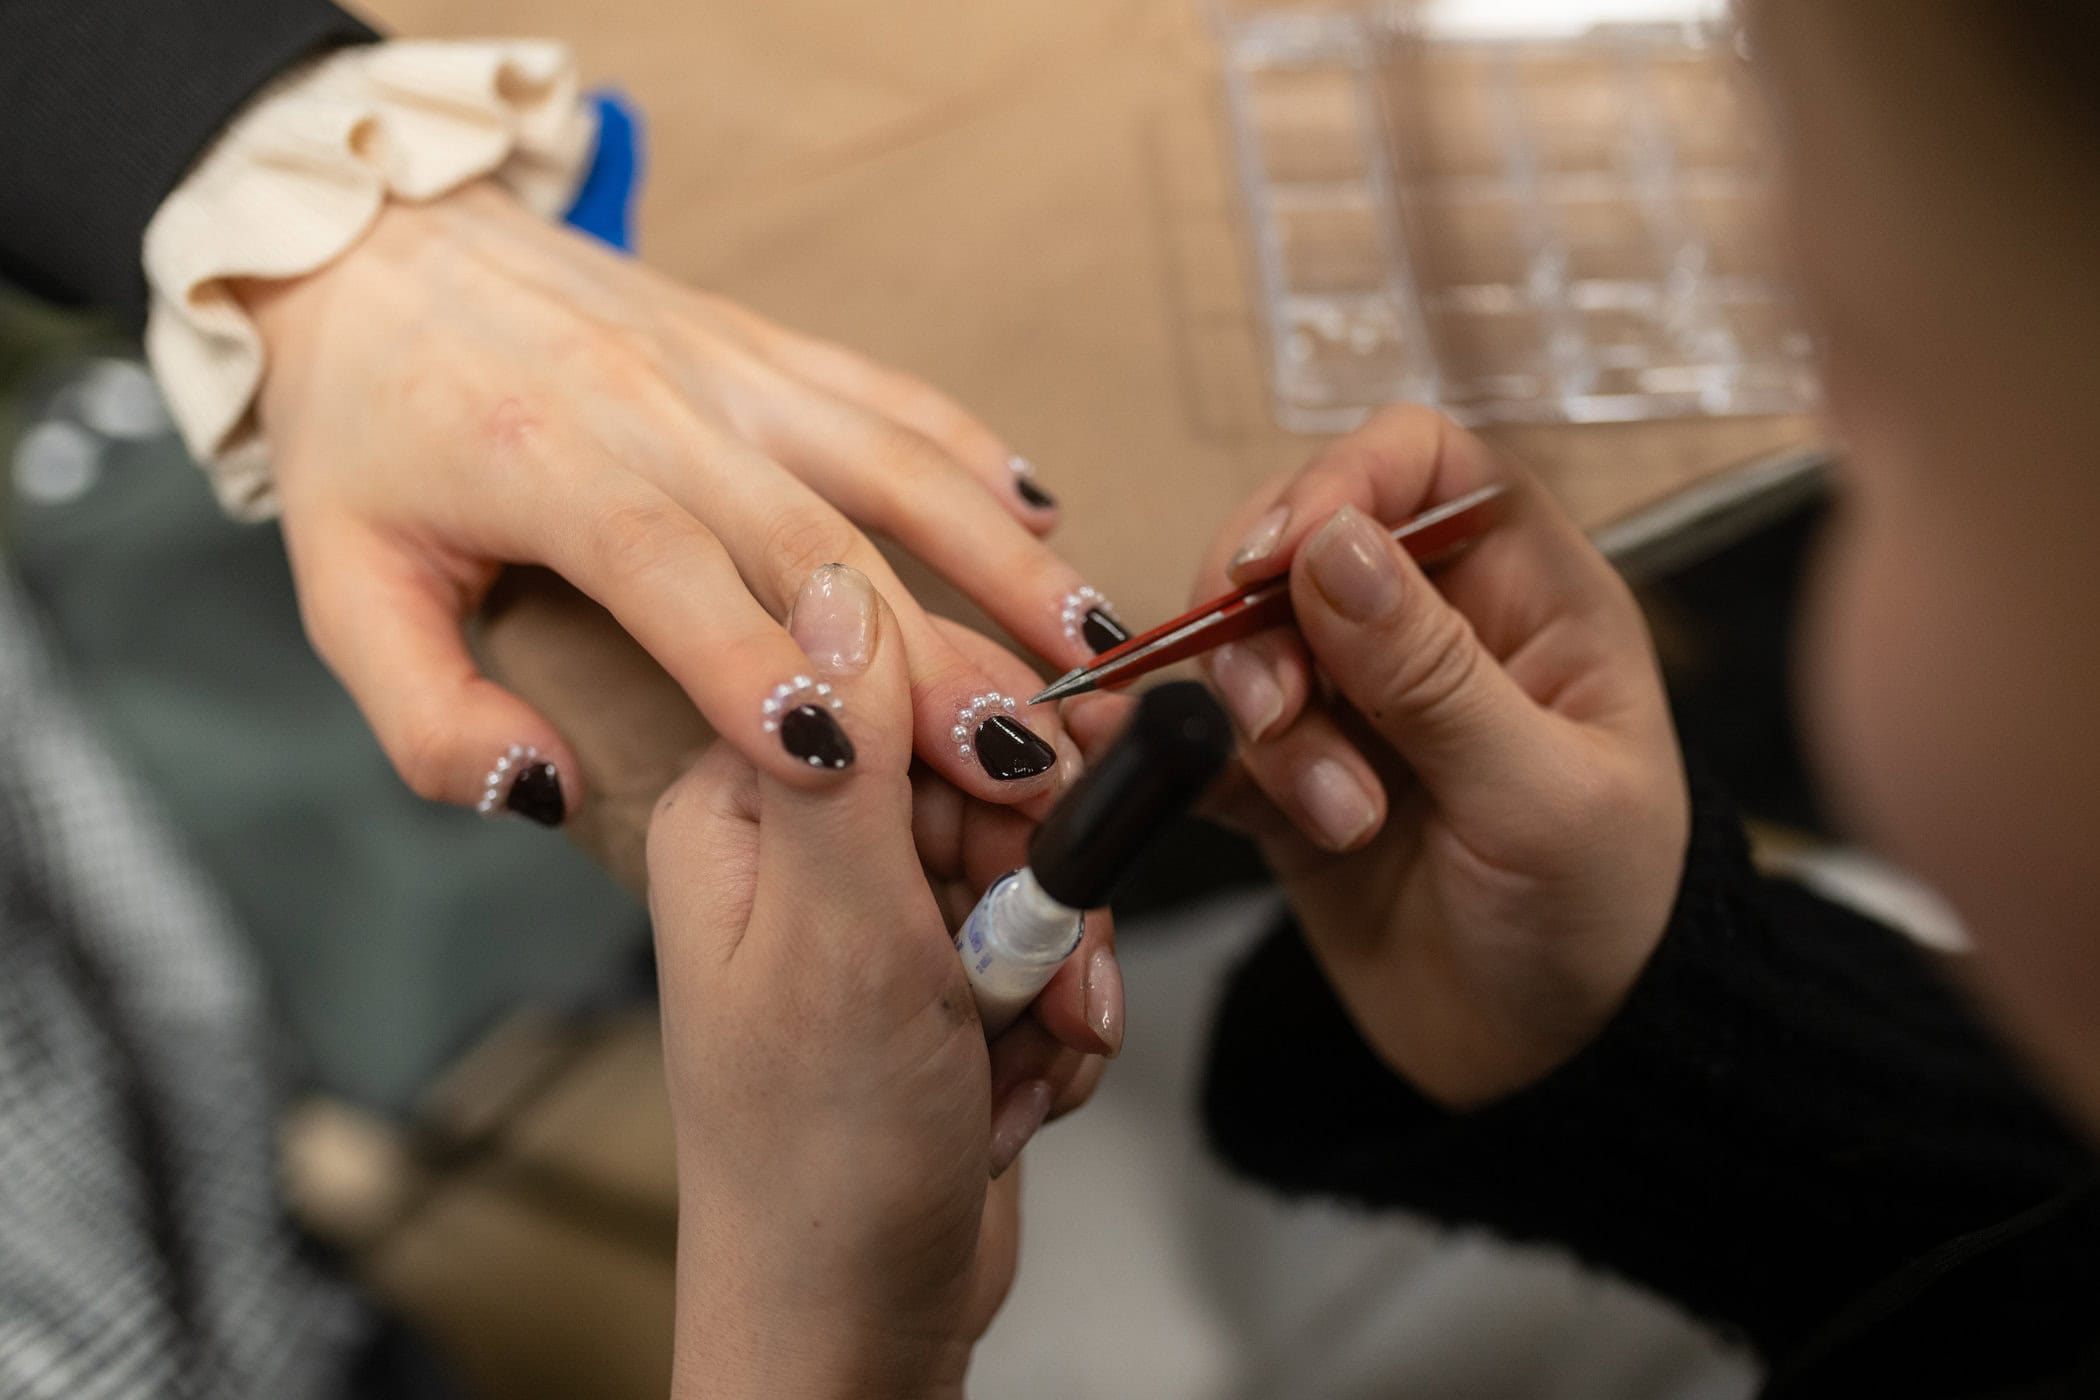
(536, 795)
(800, 712)
(1102, 632)
(1091, 618)
(812, 735)
(1025, 483)
(523, 782)
(1010, 750)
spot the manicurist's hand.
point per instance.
(470, 386)
(1472, 787)
(847, 1225)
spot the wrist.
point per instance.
(720, 1355)
(741, 1332)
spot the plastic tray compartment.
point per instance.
(1521, 225)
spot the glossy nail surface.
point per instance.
(808, 732)
(1025, 483)
(1090, 620)
(1352, 566)
(1009, 750)
(535, 794)
(804, 713)
(1104, 1000)
(833, 619)
(1335, 802)
(1018, 1120)
(1248, 688)
(521, 781)
(1262, 540)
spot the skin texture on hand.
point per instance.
(1471, 788)
(470, 388)
(839, 1117)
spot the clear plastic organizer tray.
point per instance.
(1521, 212)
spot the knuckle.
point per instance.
(1434, 674)
(913, 473)
(636, 540)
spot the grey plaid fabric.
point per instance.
(144, 1251)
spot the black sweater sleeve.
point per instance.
(1792, 1128)
(104, 105)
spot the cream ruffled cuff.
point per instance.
(298, 177)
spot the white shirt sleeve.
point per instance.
(296, 179)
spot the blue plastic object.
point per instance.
(604, 205)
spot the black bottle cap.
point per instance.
(1156, 769)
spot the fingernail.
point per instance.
(1090, 619)
(1352, 566)
(1336, 803)
(1006, 748)
(833, 619)
(1017, 1121)
(1104, 1000)
(1262, 540)
(803, 712)
(1071, 764)
(1025, 483)
(523, 782)
(1250, 692)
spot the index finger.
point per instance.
(1532, 566)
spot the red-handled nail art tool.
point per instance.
(1433, 537)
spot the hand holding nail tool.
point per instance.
(1030, 921)
(1434, 537)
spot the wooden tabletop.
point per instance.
(1028, 203)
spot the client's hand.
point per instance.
(470, 386)
(1481, 813)
(838, 1116)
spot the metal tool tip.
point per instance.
(1070, 683)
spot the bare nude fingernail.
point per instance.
(1262, 540)
(1248, 688)
(1104, 1000)
(1018, 1120)
(833, 619)
(1336, 803)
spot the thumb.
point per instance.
(858, 690)
(1411, 664)
(388, 625)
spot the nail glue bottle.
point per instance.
(1030, 921)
